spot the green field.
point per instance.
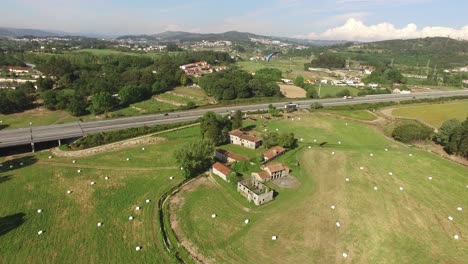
(435, 114)
(357, 114)
(39, 116)
(383, 226)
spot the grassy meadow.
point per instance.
(387, 225)
(435, 114)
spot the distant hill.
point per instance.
(17, 32)
(433, 45)
(174, 36)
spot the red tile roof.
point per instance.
(244, 136)
(222, 168)
(275, 167)
(273, 152)
(263, 175)
(232, 155)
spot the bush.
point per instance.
(412, 132)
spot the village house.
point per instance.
(229, 157)
(255, 191)
(240, 138)
(221, 170)
(17, 69)
(273, 152)
(271, 171)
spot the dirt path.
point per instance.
(129, 143)
(168, 102)
(84, 166)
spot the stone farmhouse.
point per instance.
(255, 191)
(271, 171)
(229, 157)
(221, 170)
(273, 152)
(240, 138)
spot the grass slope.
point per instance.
(383, 226)
(435, 114)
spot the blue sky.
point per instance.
(332, 19)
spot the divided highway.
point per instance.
(30, 135)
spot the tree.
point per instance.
(101, 103)
(458, 141)
(408, 133)
(77, 105)
(237, 120)
(49, 98)
(446, 130)
(131, 94)
(44, 84)
(343, 93)
(287, 140)
(215, 128)
(299, 81)
(195, 157)
(270, 139)
(328, 60)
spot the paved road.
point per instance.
(24, 136)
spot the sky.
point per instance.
(361, 20)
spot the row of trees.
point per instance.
(412, 132)
(453, 135)
(12, 101)
(310, 89)
(235, 84)
(385, 75)
(326, 60)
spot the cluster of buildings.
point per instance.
(17, 75)
(270, 42)
(197, 69)
(253, 188)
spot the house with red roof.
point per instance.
(273, 153)
(271, 171)
(228, 156)
(238, 137)
(221, 170)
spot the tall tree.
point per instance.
(237, 120)
(195, 157)
(447, 128)
(102, 102)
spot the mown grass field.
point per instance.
(386, 225)
(435, 114)
(70, 221)
(356, 114)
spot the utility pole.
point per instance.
(320, 86)
(427, 66)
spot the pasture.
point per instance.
(382, 225)
(435, 114)
(292, 91)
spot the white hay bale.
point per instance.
(361, 168)
(79, 171)
(277, 129)
(459, 209)
(338, 224)
(30, 123)
(148, 200)
(138, 208)
(411, 155)
(372, 155)
(333, 152)
(69, 192)
(128, 159)
(138, 248)
(390, 173)
(181, 168)
(310, 147)
(332, 207)
(11, 166)
(130, 218)
(274, 238)
(401, 188)
(106, 178)
(74, 161)
(386, 149)
(93, 183)
(293, 119)
(375, 188)
(429, 178)
(456, 237)
(450, 218)
(246, 221)
(345, 255)
(50, 157)
(302, 139)
(100, 224)
(339, 142)
(346, 124)
(265, 130)
(39, 211)
(142, 148)
(315, 140)
(347, 179)
(213, 216)
(40, 232)
(171, 178)
(21, 164)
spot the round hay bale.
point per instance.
(138, 208)
(142, 148)
(130, 218)
(79, 171)
(372, 155)
(315, 140)
(69, 192)
(401, 188)
(92, 183)
(390, 173)
(333, 152)
(274, 238)
(345, 255)
(346, 124)
(277, 129)
(338, 224)
(100, 224)
(40, 232)
(128, 159)
(386, 149)
(181, 168)
(213, 216)
(332, 207)
(74, 161)
(429, 178)
(138, 248)
(411, 155)
(310, 147)
(361, 168)
(339, 142)
(459, 209)
(450, 218)
(456, 237)
(347, 179)
(302, 139)
(39, 211)
(11, 166)
(375, 188)
(148, 200)
(50, 157)
(171, 178)
(246, 221)
(106, 178)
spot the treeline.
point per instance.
(103, 83)
(453, 135)
(237, 84)
(12, 101)
(385, 75)
(326, 60)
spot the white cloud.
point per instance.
(356, 30)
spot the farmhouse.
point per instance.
(273, 153)
(255, 191)
(240, 138)
(271, 171)
(221, 170)
(229, 157)
(17, 69)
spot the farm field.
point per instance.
(435, 114)
(357, 114)
(69, 221)
(387, 225)
(292, 91)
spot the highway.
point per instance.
(30, 135)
